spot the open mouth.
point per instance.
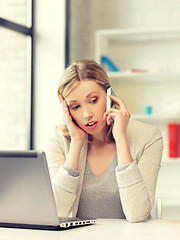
(91, 125)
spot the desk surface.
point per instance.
(104, 229)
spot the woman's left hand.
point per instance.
(120, 115)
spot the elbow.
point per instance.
(136, 219)
(138, 216)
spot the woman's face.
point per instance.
(87, 104)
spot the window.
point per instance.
(16, 74)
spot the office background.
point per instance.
(82, 19)
(63, 31)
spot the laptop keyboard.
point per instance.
(68, 219)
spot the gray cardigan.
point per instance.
(137, 182)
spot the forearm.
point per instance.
(136, 202)
(135, 197)
(72, 159)
(65, 190)
(137, 182)
(64, 185)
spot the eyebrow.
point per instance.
(71, 101)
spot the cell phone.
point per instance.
(109, 103)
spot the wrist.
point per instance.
(72, 159)
(77, 142)
(123, 151)
(122, 137)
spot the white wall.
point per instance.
(88, 16)
(101, 14)
(49, 64)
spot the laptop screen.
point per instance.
(26, 194)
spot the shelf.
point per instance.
(138, 35)
(171, 160)
(163, 118)
(139, 76)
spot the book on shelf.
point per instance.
(173, 140)
(108, 62)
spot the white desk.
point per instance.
(104, 229)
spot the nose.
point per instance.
(87, 114)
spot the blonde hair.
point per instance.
(79, 71)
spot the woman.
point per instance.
(101, 168)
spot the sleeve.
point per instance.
(137, 182)
(64, 181)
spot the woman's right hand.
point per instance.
(76, 133)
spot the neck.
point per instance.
(99, 139)
(99, 145)
(97, 142)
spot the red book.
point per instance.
(173, 139)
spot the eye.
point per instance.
(75, 107)
(94, 100)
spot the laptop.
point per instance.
(26, 195)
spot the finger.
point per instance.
(109, 118)
(106, 114)
(118, 102)
(60, 97)
(68, 119)
(111, 110)
(109, 114)
(66, 109)
(122, 105)
(115, 101)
